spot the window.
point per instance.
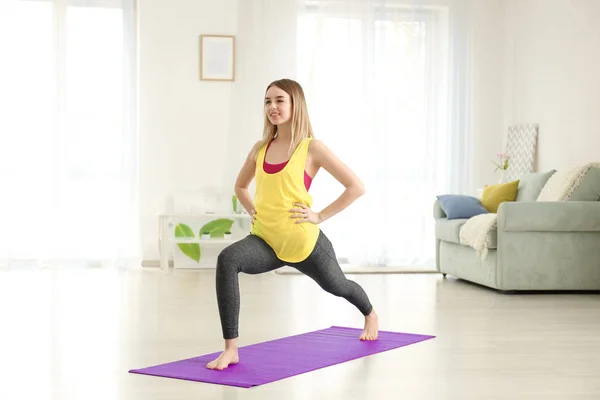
(376, 78)
(67, 132)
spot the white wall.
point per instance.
(552, 64)
(183, 122)
(487, 70)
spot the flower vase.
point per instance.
(501, 177)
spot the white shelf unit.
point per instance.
(168, 241)
(202, 241)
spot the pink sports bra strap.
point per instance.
(275, 168)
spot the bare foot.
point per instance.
(371, 330)
(228, 357)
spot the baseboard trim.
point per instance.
(366, 270)
(346, 269)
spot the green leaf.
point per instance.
(192, 250)
(217, 227)
(234, 202)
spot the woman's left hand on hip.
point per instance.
(302, 213)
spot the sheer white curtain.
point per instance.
(67, 133)
(387, 84)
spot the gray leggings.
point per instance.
(252, 255)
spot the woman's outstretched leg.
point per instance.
(250, 255)
(323, 268)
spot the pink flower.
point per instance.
(503, 164)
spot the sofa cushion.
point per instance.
(494, 195)
(531, 185)
(449, 230)
(589, 188)
(458, 206)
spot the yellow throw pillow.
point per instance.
(493, 195)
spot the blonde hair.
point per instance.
(301, 127)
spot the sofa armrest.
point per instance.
(438, 213)
(555, 216)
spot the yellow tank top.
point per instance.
(275, 196)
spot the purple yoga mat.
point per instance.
(278, 359)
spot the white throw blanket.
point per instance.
(476, 232)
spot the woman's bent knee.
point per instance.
(227, 259)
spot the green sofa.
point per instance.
(537, 245)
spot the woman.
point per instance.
(285, 230)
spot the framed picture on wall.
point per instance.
(217, 57)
